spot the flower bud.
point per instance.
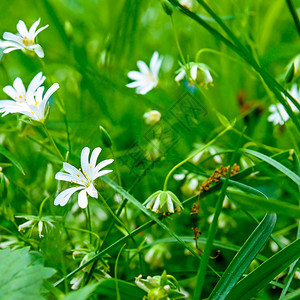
(167, 7)
(152, 117)
(163, 202)
(50, 183)
(105, 137)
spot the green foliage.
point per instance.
(22, 274)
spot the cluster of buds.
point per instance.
(160, 287)
(164, 202)
(217, 174)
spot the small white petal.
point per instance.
(65, 195)
(92, 191)
(82, 199)
(156, 204)
(34, 27)
(143, 67)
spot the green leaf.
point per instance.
(260, 277)
(244, 257)
(275, 164)
(294, 295)
(22, 274)
(8, 155)
(82, 293)
(130, 291)
(262, 204)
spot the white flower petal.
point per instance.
(143, 67)
(103, 164)
(36, 82)
(40, 29)
(170, 204)
(92, 191)
(22, 29)
(7, 50)
(133, 84)
(135, 75)
(34, 27)
(84, 159)
(156, 204)
(73, 171)
(62, 198)
(180, 76)
(69, 178)
(82, 199)
(38, 50)
(12, 37)
(10, 91)
(101, 173)
(19, 86)
(94, 156)
(54, 87)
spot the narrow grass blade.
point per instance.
(8, 155)
(262, 204)
(276, 165)
(260, 277)
(244, 257)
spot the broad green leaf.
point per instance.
(22, 274)
(8, 155)
(244, 257)
(262, 204)
(275, 164)
(250, 285)
(82, 293)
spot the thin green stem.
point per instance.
(42, 205)
(116, 273)
(52, 142)
(192, 155)
(89, 222)
(177, 41)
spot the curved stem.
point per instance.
(177, 41)
(86, 231)
(216, 52)
(192, 155)
(52, 142)
(42, 205)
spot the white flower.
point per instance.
(195, 72)
(152, 117)
(84, 179)
(25, 225)
(163, 202)
(24, 39)
(32, 102)
(278, 113)
(147, 78)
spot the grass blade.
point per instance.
(262, 204)
(8, 155)
(276, 165)
(256, 280)
(244, 257)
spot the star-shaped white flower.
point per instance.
(24, 40)
(278, 113)
(147, 78)
(32, 102)
(83, 178)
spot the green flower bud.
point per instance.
(105, 137)
(167, 7)
(50, 182)
(69, 29)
